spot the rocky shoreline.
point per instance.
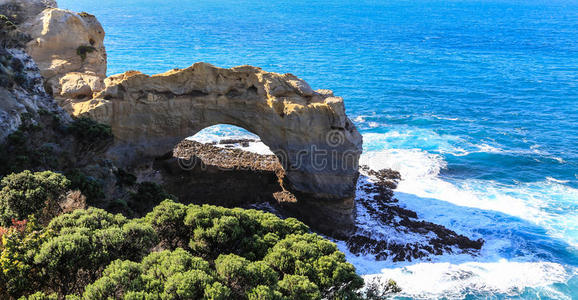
(375, 200)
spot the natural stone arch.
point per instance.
(308, 130)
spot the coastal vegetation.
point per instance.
(82, 51)
(73, 225)
(175, 252)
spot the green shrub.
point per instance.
(228, 254)
(317, 258)
(124, 178)
(167, 219)
(84, 242)
(377, 289)
(161, 275)
(147, 196)
(299, 287)
(83, 50)
(17, 246)
(89, 132)
(248, 233)
(243, 275)
(28, 194)
(89, 186)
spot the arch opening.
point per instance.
(231, 136)
(222, 165)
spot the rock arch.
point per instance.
(308, 130)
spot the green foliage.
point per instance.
(28, 194)
(124, 178)
(262, 292)
(83, 50)
(161, 275)
(84, 242)
(85, 15)
(89, 132)
(17, 246)
(319, 260)
(167, 219)
(248, 233)
(242, 275)
(148, 195)
(42, 296)
(376, 289)
(299, 287)
(89, 186)
(207, 252)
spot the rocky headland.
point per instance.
(53, 56)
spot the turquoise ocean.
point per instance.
(474, 102)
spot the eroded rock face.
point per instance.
(308, 130)
(22, 93)
(23, 10)
(68, 48)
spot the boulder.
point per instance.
(69, 50)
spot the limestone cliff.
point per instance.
(308, 130)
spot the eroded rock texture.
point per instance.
(308, 130)
(67, 46)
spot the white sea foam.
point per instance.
(435, 280)
(500, 214)
(218, 133)
(422, 190)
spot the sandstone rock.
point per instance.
(68, 48)
(309, 131)
(77, 85)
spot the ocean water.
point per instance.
(474, 102)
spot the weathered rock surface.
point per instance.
(389, 231)
(308, 130)
(67, 46)
(21, 11)
(22, 93)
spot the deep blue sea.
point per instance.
(474, 102)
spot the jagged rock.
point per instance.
(21, 92)
(23, 10)
(68, 48)
(310, 133)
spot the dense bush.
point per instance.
(30, 194)
(201, 252)
(90, 133)
(18, 244)
(161, 275)
(89, 186)
(147, 196)
(72, 250)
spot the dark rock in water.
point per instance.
(243, 142)
(419, 238)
